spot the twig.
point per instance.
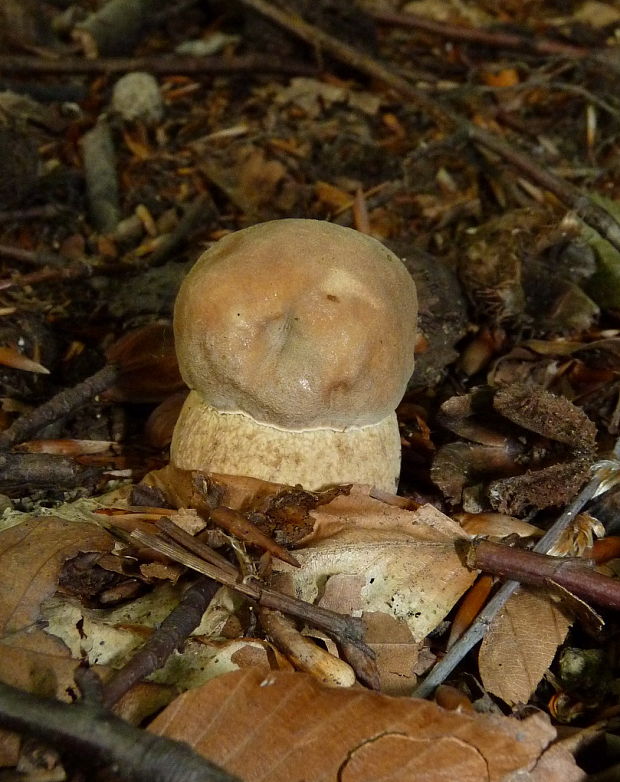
(86, 732)
(31, 257)
(74, 271)
(178, 535)
(479, 628)
(346, 630)
(58, 406)
(156, 65)
(594, 215)
(503, 40)
(529, 567)
(43, 470)
(172, 632)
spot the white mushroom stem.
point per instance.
(236, 444)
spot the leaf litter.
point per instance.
(514, 398)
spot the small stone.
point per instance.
(136, 96)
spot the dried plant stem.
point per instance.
(573, 198)
(201, 212)
(45, 212)
(479, 628)
(497, 39)
(30, 257)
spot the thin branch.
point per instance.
(346, 630)
(58, 406)
(573, 198)
(74, 271)
(529, 567)
(201, 211)
(155, 65)
(30, 257)
(45, 212)
(88, 733)
(43, 471)
(173, 631)
(492, 38)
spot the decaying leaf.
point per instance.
(110, 637)
(497, 525)
(31, 557)
(313, 96)
(397, 652)
(521, 645)
(253, 182)
(178, 488)
(287, 728)
(385, 559)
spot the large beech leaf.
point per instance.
(285, 727)
(386, 559)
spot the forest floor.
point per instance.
(479, 141)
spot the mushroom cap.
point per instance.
(300, 324)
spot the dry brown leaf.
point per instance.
(31, 556)
(397, 653)
(285, 727)
(9, 748)
(255, 183)
(385, 559)
(10, 357)
(521, 645)
(149, 371)
(498, 525)
(52, 676)
(234, 491)
(49, 675)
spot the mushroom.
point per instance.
(296, 338)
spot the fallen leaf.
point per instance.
(110, 637)
(149, 371)
(31, 556)
(10, 357)
(285, 727)
(498, 525)
(520, 645)
(386, 559)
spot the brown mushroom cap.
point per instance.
(299, 324)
